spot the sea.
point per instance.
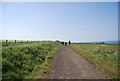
(105, 42)
(112, 42)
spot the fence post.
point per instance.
(6, 41)
(15, 41)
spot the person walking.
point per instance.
(65, 43)
(69, 42)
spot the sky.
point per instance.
(75, 21)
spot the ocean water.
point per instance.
(105, 42)
(112, 42)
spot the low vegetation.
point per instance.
(22, 60)
(104, 57)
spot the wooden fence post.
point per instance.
(15, 41)
(6, 41)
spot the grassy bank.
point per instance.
(104, 57)
(42, 71)
(23, 61)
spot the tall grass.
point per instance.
(19, 61)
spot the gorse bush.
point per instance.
(19, 61)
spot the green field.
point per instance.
(33, 59)
(27, 60)
(103, 56)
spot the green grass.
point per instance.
(23, 61)
(0, 66)
(42, 71)
(104, 59)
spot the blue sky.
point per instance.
(75, 21)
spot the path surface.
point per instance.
(69, 65)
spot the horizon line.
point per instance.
(55, 40)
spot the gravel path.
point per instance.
(69, 65)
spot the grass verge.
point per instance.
(22, 62)
(42, 71)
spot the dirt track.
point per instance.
(69, 65)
